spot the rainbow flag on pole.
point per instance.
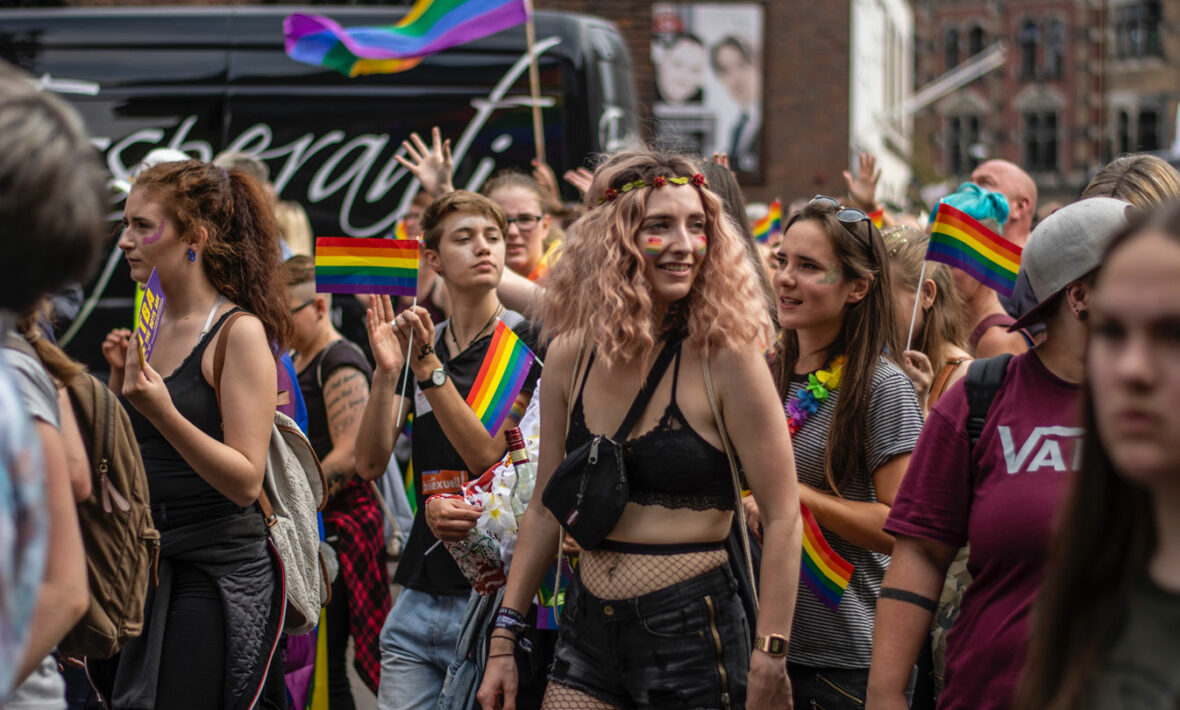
(822, 570)
(959, 240)
(770, 225)
(500, 379)
(430, 26)
(382, 266)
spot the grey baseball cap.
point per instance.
(1066, 246)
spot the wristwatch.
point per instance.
(773, 645)
(438, 378)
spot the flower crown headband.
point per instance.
(611, 194)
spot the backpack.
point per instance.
(121, 544)
(293, 490)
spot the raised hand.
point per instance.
(417, 321)
(547, 181)
(579, 178)
(721, 159)
(432, 166)
(388, 352)
(863, 188)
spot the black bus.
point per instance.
(206, 79)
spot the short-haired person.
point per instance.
(680, 69)
(986, 321)
(937, 358)
(211, 237)
(653, 619)
(1142, 179)
(1019, 189)
(1104, 627)
(734, 63)
(854, 419)
(52, 227)
(334, 379)
(463, 240)
(999, 493)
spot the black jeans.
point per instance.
(828, 688)
(686, 646)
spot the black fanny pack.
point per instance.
(588, 490)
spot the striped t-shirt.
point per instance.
(844, 638)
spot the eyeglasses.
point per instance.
(847, 215)
(303, 305)
(525, 222)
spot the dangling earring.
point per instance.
(192, 255)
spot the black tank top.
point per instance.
(171, 481)
(670, 466)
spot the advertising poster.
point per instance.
(708, 73)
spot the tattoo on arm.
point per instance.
(345, 402)
(901, 595)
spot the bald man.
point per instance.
(1020, 190)
(1016, 185)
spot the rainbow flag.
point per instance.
(822, 570)
(348, 265)
(430, 26)
(500, 379)
(959, 240)
(878, 217)
(399, 230)
(769, 225)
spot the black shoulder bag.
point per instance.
(588, 490)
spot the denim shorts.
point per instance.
(686, 646)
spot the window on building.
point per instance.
(1137, 29)
(962, 139)
(1124, 132)
(1054, 48)
(975, 40)
(1149, 132)
(1030, 40)
(950, 47)
(1040, 141)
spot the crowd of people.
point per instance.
(823, 472)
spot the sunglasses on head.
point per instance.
(847, 215)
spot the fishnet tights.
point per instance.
(563, 697)
(607, 574)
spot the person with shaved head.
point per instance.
(1020, 190)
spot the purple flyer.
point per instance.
(150, 311)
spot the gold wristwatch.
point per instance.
(772, 645)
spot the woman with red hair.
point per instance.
(211, 626)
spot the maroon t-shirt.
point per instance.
(1002, 498)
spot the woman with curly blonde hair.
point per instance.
(653, 618)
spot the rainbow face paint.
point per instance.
(654, 246)
(701, 245)
(155, 236)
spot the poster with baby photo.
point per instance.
(708, 73)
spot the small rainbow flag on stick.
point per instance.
(959, 240)
(822, 570)
(383, 266)
(430, 26)
(500, 379)
(770, 225)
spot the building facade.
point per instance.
(1083, 81)
(832, 74)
